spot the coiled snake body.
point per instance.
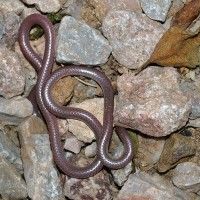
(51, 110)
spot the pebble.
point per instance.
(10, 5)
(45, 6)
(133, 37)
(90, 150)
(12, 74)
(152, 102)
(10, 151)
(156, 10)
(78, 128)
(12, 186)
(177, 149)
(42, 178)
(143, 186)
(186, 176)
(78, 43)
(14, 110)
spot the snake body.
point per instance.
(50, 110)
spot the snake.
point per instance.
(42, 100)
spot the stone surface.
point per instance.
(12, 74)
(142, 186)
(80, 44)
(90, 150)
(45, 6)
(98, 187)
(187, 177)
(42, 178)
(156, 9)
(102, 7)
(10, 5)
(177, 148)
(73, 144)
(79, 129)
(149, 151)
(10, 151)
(133, 37)
(12, 186)
(152, 102)
(15, 110)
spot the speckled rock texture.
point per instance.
(10, 5)
(78, 43)
(152, 102)
(133, 37)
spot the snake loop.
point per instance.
(51, 110)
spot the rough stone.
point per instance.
(42, 178)
(178, 148)
(15, 110)
(133, 37)
(186, 176)
(90, 150)
(152, 102)
(45, 6)
(87, 46)
(79, 129)
(10, 5)
(12, 186)
(10, 151)
(149, 151)
(142, 186)
(156, 10)
(12, 74)
(73, 144)
(102, 7)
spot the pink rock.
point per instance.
(152, 102)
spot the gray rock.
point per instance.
(156, 9)
(45, 6)
(178, 148)
(194, 123)
(73, 144)
(12, 74)
(90, 150)
(10, 151)
(133, 37)
(78, 128)
(142, 186)
(80, 44)
(187, 177)
(12, 186)
(149, 151)
(152, 102)
(15, 110)
(10, 5)
(42, 178)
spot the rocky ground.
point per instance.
(160, 106)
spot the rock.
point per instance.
(87, 46)
(156, 10)
(28, 11)
(78, 128)
(152, 102)
(42, 178)
(102, 7)
(45, 6)
(12, 74)
(15, 110)
(90, 150)
(178, 148)
(132, 36)
(149, 151)
(63, 127)
(98, 187)
(10, 151)
(142, 186)
(63, 89)
(73, 144)
(12, 185)
(187, 177)
(82, 10)
(194, 123)
(10, 5)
